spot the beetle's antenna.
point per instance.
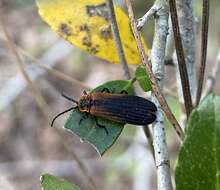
(58, 115)
(70, 99)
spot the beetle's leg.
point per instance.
(105, 90)
(101, 126)
(123, 92)
(83, 117)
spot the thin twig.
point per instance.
(205, 29)
(64, 77)
(150, 13)
(181, 58)
(20, 64)
(117, 38)
(155, 88)
(50, 58)
(53, 71)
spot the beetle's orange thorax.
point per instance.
(85, 103)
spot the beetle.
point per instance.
(120, 108)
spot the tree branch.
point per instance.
(150, 13)
(157, 60)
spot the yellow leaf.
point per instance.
(85, 24)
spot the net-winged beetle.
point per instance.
(121, 108)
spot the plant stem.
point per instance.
(117, 38)
(205, 29)
(181, 58)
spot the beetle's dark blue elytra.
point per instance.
(121, 108)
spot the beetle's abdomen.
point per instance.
(123, 108)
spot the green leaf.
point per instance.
(198, 166)
(49, 182)
(88, 131)
(143, 79)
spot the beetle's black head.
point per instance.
(84, 103)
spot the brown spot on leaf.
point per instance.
(130, 49)
(93, 50)
(84, 27)
(86, 41)
(65, 29)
